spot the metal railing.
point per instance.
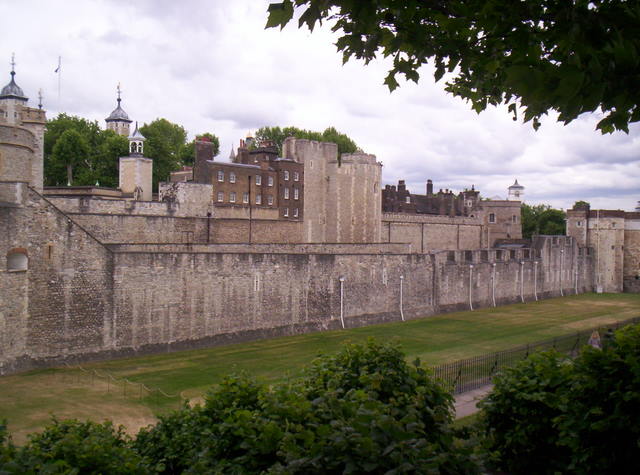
(472, 373)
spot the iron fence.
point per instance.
(472, 373)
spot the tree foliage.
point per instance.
(540, 55)
(70, 151)
(330, 134)
(542, 219)
(96, 160)
(71, 446)
(549, 415)
(363, 410)
(188, 151)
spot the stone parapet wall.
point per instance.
(267, 248)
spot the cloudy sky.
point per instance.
(212, 67)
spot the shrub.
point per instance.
(519, 415)
(79, 447)
(362, 410)
(602, 420)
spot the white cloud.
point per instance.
(211, 66)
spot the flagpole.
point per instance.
(59, 71)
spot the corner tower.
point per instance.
(118, 120)
(21, 136)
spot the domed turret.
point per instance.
(12, 90)
(118, 120)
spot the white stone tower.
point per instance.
(118, 120)
(516, 191)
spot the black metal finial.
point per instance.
(40, 98)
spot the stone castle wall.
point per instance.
(80, 299)
(62, 303)
(427, 233)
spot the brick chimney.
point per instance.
(204, 153)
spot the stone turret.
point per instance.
(118, 120)
(21, 138)
(136, 171)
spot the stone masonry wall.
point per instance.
(60, 305)
(427, 233)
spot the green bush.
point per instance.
(520, 412)
(78, 447)
(602, 420)
(363, 410)
(547, 414)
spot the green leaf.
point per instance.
(279, 14)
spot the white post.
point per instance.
(522, 281)
(561, 262)
(470, 281)
(342, 301)
(401, 312)
(493, 284)
(535, 280)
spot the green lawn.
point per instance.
(27, 399)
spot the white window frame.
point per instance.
(258, 199)
(295, 212)
(286, 175)
(245, 197)
(492, 218)
(286, 192)
(221, 176)
(270, 200)
(285, 212)
(232, 177)
(407, 199)
(270, 181)
(258, 179)
(296, 193)
(232, 197)
(220, 196)
(296, 176)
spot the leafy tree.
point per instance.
(569, 56)
(330, 134)
(188, 154)
(54, 174)
(542, 219)
(165, 143)
(70, 151)
(581, 204)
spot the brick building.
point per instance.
(257, 178)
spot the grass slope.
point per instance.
(26, 400)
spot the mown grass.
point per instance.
(26, 400)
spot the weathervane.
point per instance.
(40, 98)
(13, 63)
(118, 93)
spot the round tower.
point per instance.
(118, 120)
(516, 191)
(12, 99)
(21, 136)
